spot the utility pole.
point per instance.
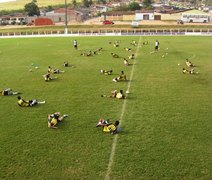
(66, 19)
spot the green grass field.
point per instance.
(19, 4)
(165, 120)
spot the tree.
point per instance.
(121, 8)
(32, 9)
(134, 6)
(87, 3)
(74, 3)
(102, 1)
(147, 3)
(49, 8)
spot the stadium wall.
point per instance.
(109, 32)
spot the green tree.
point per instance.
(32, 9)
(134, 6)
(121, 8)
(102, 1)
(87, 3)
(49, 8)
(147, 3)
(74, 3)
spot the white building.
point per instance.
(144, 15)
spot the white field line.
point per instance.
(107, 177)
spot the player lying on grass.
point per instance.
(126, 62)
(28, 103)
(7, 92)
(128, 49)
(66, 64)
(115, 55)
(87, 54)
(112, 95)
(47, 77)
(106, 72)
(116, 44)
(145, 43)
(122, 77)
(55, 118)
(189, 63)
(99, 49)
(92, 52)
(191, 71)
(115, 94)
(132, 56)
(108, 127)
(54, 71)
(134, 43)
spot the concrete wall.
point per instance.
(169, 17)
(129, 17)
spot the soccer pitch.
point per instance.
(165, 119)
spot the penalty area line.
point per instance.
(107, 176)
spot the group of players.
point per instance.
(191, 66)
(21, 102)
(53, 119)
(106, 125)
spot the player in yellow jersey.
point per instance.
(55, 118)
(115, 94)
(106, 72)
(189, 63)
(126, 62)
(132, 56)
(122, 77)
(47, 77)
(54, 71)
(108, 127)
(115, 55)
(28, 103)
(120, 95)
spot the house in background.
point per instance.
(128, 15)
(144, 15)
(101, 8)
(118, 16)
(58, 16)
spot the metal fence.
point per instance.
(109, 32)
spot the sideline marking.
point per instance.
(107, 177)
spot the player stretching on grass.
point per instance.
(191, 71)
(54, 119)
(47, 77)
(122, 77)
(7, 92)
(54, 71)
(28, 103)
(106, 72)
(115, 94)
(126, 62)
(108, 127)
(189, 63)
